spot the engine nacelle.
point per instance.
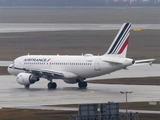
(26, 78)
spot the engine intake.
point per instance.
(26, 78)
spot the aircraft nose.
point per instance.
(10, 68)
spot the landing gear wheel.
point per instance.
(52, 85)
(27, 86)
(82, 84)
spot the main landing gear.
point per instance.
(27, 86)
(52, 85)
(82, 84)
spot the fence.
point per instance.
(119, 116)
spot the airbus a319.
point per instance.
(74, 69)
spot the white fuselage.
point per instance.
(84, 66)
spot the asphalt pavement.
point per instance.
(34, 27)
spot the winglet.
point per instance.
(120, 43)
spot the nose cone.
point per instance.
(11, 69)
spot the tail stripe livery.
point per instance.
(121, 40)
(124, 46)
(118, 41)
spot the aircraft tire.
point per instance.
(82, 84)
(52, 85)
(27, 86)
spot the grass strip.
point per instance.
(130, 81)
(30, 114)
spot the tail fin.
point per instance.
(119, 46)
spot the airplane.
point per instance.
(75, 69)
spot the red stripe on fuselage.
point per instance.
(124, 46)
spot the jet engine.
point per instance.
(26, 78)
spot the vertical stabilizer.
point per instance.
(119, 46)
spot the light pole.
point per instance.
(126, 92)
(130, 3)
(106, 3)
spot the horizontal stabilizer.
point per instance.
(146, 61)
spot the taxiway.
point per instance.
(14, 95)
(33, 27)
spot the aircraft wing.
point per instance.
(51, 73)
